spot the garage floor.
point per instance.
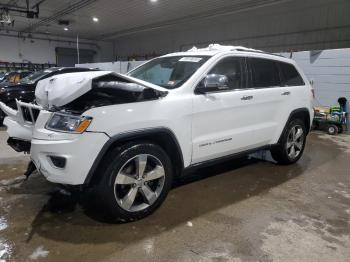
(250, 210)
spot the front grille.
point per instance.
(36, 113)
(26, 114)
(29, 114)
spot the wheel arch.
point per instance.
(300, 113)
(161, 136)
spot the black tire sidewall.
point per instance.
(106, 185)
(335, 128)
(280, 153)
(293, 123)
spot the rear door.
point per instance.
(270, 98)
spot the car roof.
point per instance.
(216, 49)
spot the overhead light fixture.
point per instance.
(65, 28)
(154, 1)
(95, 19)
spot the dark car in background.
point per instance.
(25, 89)
(13, 77)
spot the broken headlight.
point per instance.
(68, 123)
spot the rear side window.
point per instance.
(290, 76)
(264, 73)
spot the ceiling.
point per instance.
(119, 17)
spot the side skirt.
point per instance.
(219, 160)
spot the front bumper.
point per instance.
(79, 154)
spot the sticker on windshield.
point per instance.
(191, 59)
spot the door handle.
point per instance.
(247, 98)
(287, 93)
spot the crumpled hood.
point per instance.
(61, 90)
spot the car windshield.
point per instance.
(32, 78)
(169, 72)
(6, 76)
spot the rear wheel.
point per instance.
(136, 181)
(292, 143)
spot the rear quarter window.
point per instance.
(290, 75)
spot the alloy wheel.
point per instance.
(295, 142)
(139, 183)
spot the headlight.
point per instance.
(68, 123)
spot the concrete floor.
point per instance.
(245, 210)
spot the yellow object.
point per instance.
(83, 126)
(322, 109)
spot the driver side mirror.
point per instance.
(212, 83)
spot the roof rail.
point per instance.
(217, 47)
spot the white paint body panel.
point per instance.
(229, 124)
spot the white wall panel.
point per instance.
(13, 49)
(330, 71)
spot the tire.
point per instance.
(125, 197)
(332, 130)
(292, 143)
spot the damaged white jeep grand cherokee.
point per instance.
(130, 136)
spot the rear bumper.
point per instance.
(78, 154)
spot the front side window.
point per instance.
(264, 73)
(231, 68)
(290, 76)
(169, 72)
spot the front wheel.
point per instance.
(292, 143)
(136, 180)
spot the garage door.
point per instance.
(69, 56)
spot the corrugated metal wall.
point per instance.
(329, 70)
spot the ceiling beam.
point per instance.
(65, 11)
(239, 7)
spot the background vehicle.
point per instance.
(2, 74)
(13, 77)
(25, 89)
(331, 119)
(129, 136)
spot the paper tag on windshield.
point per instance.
(191, 59)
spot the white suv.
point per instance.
(129, 136)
